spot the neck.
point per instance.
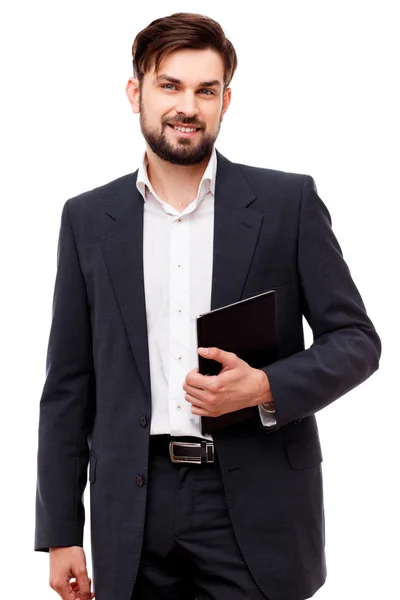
(175, 184)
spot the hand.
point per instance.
(237, 386)
(68, 563)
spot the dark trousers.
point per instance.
(189, 550)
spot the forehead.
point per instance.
(191, 66)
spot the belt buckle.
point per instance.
(191, 459)
(211, 446)
(184, 459)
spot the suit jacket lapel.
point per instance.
(236, 232)
(123, 253)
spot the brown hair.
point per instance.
(178, 31)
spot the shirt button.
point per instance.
(139, 480)
(143, 420)
(179, 266)
(179, 357)
(179, 220)
(179, 310)
(178, 407)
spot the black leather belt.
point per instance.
(188, 450)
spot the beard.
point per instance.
(185, 152)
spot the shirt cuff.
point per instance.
(266, 416)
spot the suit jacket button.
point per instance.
(139, 480)
(143, 420)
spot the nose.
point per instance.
(187, 104)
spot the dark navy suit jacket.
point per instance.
(271, 231)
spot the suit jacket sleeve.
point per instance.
(66, 405)
(346, 347)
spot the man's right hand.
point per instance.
(68, 563)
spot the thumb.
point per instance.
(221, 356)
(75, 589)
(83, 581)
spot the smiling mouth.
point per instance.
(185, 130)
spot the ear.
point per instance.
(226, 100)
(133, 92)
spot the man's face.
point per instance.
(186, 92)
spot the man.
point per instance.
(138, 260)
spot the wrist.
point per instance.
(264, 393)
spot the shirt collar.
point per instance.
(207, 183)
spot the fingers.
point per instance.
(200, 382)
(197, 393)
(66, 564)
(71, 590)
(75, 588)
(63, 589)
(83, 582)
(195, 402)
(201, 412)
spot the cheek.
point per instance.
(158, 111)
(214, 117)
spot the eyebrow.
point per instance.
(166, 77)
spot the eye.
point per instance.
(170, 86)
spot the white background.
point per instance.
(315, 92)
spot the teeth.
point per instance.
(185, 129)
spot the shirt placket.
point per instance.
(179, 334)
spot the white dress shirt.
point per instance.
(177, 262)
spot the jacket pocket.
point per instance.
(303, 452)
(92, 468)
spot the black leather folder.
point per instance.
(249, 329)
